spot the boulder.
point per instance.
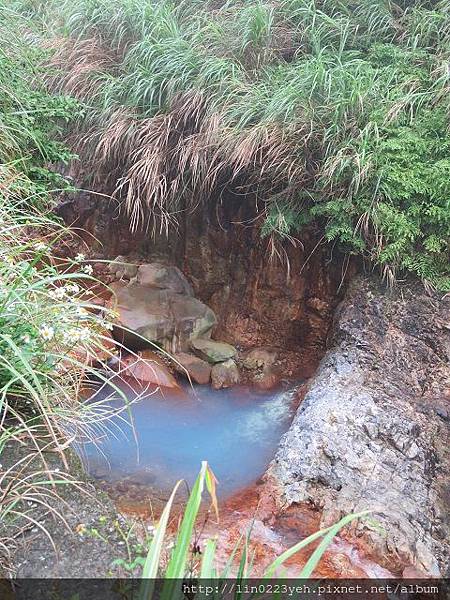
(372, 432)
(164, 277)
(224, 375)
(198, 369)
(147, 367)
(259, 358)
(212, 351)
(121, 269)
(163, 317)
(260, 361)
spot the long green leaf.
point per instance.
(177, 564)
(329, 533)
(328, 538)
(151, 564)
(207, 570)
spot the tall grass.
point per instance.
(50, 335)
(292, 103)
(50, 329)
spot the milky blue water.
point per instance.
(167, 435)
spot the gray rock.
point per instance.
(121, 269)
(260, 362)
(224, 375)
(259, 358)
(164, 317)
(198, 369)
(213, 351)
(164, 277)
(369, 435)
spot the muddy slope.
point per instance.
(373, 429)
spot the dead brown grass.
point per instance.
(76, 66)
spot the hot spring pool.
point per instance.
(164, 436)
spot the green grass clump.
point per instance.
(50, 331)
(31, 119)
(326, 111)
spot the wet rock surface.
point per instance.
(148, 368)
(373, 429)
(197, 369)
(224, 375)
(259, 362)
(259, 358)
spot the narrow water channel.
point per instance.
(165, 435)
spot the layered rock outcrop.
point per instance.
(373, 429)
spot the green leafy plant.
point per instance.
(31, 119)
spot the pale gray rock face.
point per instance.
(164, 277)
(373, 429)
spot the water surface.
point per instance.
(167, 435)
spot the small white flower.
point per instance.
(85, 334)
(26, 339)
(73, 288)
(79, 257)
(41, 247)
(77, 335)
(71, 335)
(47, 332)
(57, 293)
(87, 269)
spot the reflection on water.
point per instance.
(235, 430)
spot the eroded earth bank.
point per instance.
(370, 365)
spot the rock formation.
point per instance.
(161, 316)
(373, 429)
